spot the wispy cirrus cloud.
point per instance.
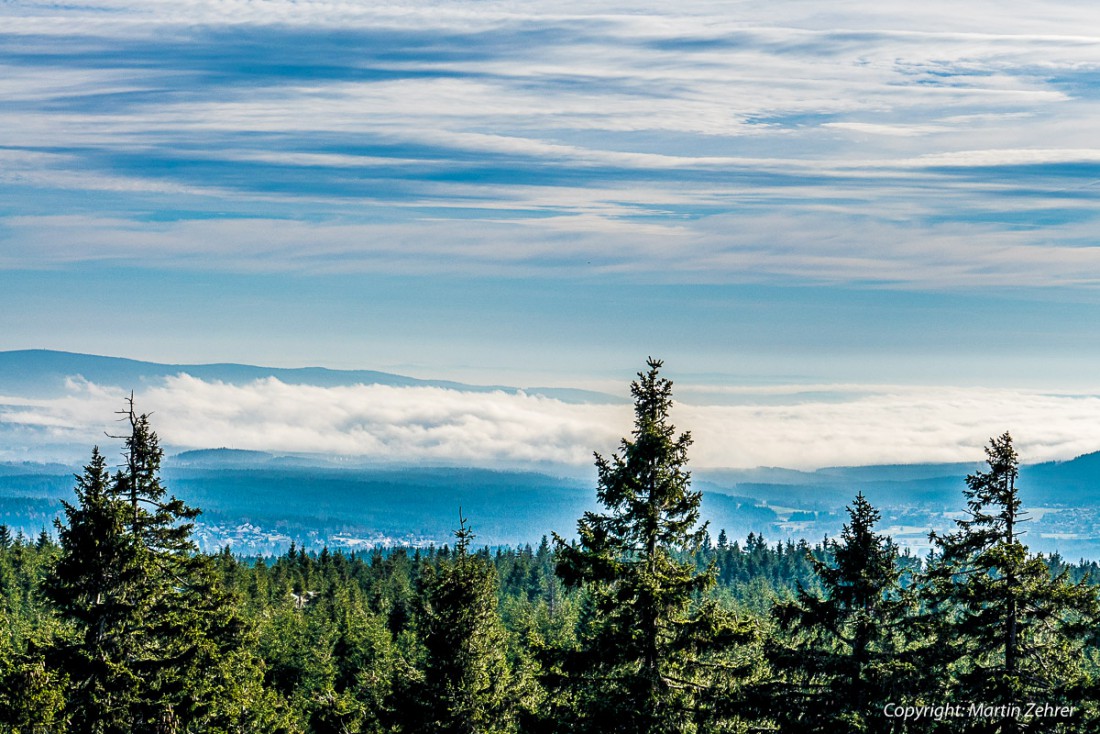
(589, 239)
(878, 142)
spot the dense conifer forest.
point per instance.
(643, 622)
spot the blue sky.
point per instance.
(768, 194)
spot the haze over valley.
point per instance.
(359, 459)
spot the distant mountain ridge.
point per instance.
(42, 373)
(1074, 482)
(321, 499)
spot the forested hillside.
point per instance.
(648, 622)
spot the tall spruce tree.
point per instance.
(94, 586)
(642, 665)
(156, 643)
(466, 686)
(846, 656)
(1015, 631)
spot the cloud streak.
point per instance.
(901, 142)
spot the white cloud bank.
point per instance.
(424, 424)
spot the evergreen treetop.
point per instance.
(845, 660)
(642, 661)
(1015, 629)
